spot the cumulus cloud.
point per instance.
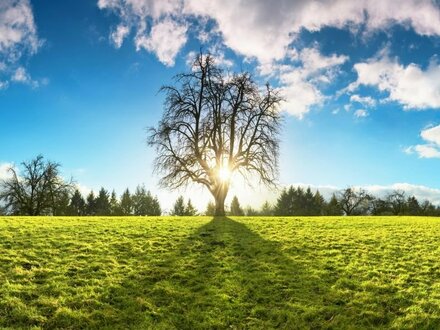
(431, 149)
(301, 80)
(267, 31)
(410, 85)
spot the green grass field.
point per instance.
(191, 273)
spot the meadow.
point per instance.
(205, 273)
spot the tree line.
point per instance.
(37, 188)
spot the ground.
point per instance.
(204, 273)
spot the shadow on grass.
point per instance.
(223, 275)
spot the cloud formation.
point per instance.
(267, 31)
(410, 85)
(18, 37)
(431, 148)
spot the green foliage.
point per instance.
(126, 203)
(235, 207)
(205, 273)
(102, 203)
(190, 210)
(180, 209)
(77, 204)
(144, 203)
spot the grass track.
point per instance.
(191, 273)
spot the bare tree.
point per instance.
(36, 191)
(397, 201)
(214, 125)
(351, 200)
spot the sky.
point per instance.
(79, 83)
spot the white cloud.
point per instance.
(267, 30)
(253, 28)
(165, 39)
(22, 76)
(18, 34)
(411, 86)
(431, 149)
(361, 113)
(300, 82)
(366, 101)
(119, 34)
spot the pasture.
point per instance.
(205, 273)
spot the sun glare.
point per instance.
(224, 174)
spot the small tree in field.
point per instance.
(235, 207)
(37, 189)
(215, 125)
(179, 207)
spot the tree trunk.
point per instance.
(220, 201)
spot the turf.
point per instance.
(204, 273)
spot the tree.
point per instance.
(37, 190)
(235, 207)
(351, 201)
(215, 125)
(77, 204)
(397, 201)
(115, 208)
(102, 203)
(333, 207)
(210, 208)
(413, 206)
(91, 204)
(126, 203)
(179, 207)
(266, 209)
(190, 210)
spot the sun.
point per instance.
(224, 174)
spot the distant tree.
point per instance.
(126, 203)
(91, 204)
(318, 203)
(251, 212)
(216, 124)
(190, 210)
(284, 205)
(210, 208)
(413, 206)
(235, 207)
(61, 203)
(36, 190)
(179, 207)
(266, 209)
(115, 207)
(102, 203)
(380, 207)
(77, 204)
(333, 207)
(428, 208)
(351, 201)
(397, 201)
(155, 207)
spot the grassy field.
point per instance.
(191, 273)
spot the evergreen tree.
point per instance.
(91, 204)
(210, 208)
(102, 203)
(319, 204)
(140, 202)
(333, 207)
(77, 204)
(155, 207)
(266, 209)
(251, 212)
(413, 206)
(115, 207)
(235, 207)
(190, 210)
(179, 207)
(126, 204)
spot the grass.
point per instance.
(203, 273)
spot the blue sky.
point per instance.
(79, 84)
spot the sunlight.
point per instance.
(224, 173)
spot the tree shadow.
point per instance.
(222, 276)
